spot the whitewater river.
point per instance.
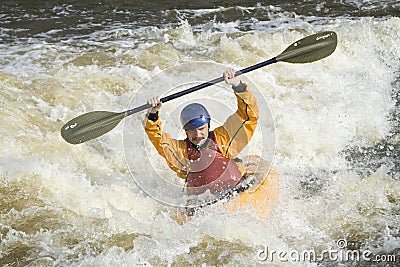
(330, 128)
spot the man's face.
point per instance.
(199, 135)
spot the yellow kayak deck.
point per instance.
(260, 197)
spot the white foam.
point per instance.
(318, 110)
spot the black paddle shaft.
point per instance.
(201, 86)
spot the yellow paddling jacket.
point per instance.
(231, 137)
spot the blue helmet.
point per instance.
(194, 115)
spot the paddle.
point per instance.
(94, 124)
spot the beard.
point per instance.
(198, 140)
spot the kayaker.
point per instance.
(208, 160)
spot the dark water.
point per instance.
(62, 19)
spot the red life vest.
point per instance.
(209, 169)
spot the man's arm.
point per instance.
(238, 129)
(170, 149)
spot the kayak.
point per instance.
(258, 200)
